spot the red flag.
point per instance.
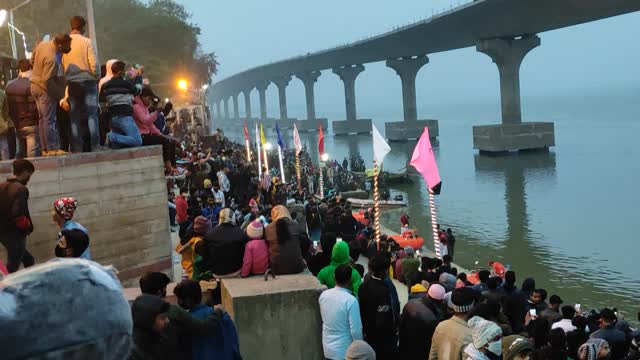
(320, 141)
(246, 132)
(424, 161)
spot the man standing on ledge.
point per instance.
(15, 221)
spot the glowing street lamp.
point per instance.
(3, 16)
(183, 84)
(268, 146)
(324, 157)
(205, 87)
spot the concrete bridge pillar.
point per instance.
(407, 68)
(282, 82)
(309, 78)
(247, 103)
(226, 107)
(236, 112)
(348, 75)
(217, 107)
(512, 134)
(262, 89)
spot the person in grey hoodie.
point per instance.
(82, 71)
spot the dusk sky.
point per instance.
(246, 33)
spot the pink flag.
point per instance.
(424, 161)
(296, 139)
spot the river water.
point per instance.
(568, 217)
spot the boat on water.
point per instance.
(381, 203)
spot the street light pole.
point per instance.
(92, 25)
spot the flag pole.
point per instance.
(258, 153)
(321, 180)
(281, 164)
(248, 150)
(266, 161)
(298, 171)
(376, 214)
(434, 223)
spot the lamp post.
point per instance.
(3, 18)
(323, 158)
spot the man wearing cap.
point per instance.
(419, 320)
(62, 213)
(516, 347)
(453, 335)
(380, 315)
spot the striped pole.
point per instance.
(248, 150)
(321, 180)
(376, 214)
(434, 224)
(298, 172)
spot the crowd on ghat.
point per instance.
(233, 221)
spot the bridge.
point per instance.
(505, 30)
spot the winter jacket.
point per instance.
(380, 318)
(450, 339)
(81, 63)
(181, 209)
(15, 219)
(222, 345)
(47, 71)
(418, 322)
(256, 258)
(148, 344)
(285, 255)
(144, 119)
(5, 119)
(88, 305)
(183, 327)
(224, 249)
(22, 106)
(616, 338)
(118, 93)
(514, 306)
(339, 256)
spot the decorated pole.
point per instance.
(322, 157)
(298, 145)
(258, 153)
(298, 172)
(376, 214)
(434, 224)
(424, 161)
(246, 142)
(284, 181)
(321, 180)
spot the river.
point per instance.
(568, 217)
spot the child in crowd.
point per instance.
(201, 227)
(256, 252)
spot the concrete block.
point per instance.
(403, 130)
(312, 125)
(513, 137)
(276, 319)
(344, 127)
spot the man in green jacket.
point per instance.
(339, 256)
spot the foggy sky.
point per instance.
(588, 58)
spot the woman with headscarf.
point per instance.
(224, 246)
(71, 243)
(201, 226)
(286, 241)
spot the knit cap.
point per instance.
(437, 292)
(514, 345)
(65, 207)
(207, 183)
(483, 331)
(360, 350)
(201, 225)
(461, 300)
(409, 251)
(255, 230)
(448, 281)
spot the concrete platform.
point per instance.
(513, 137)
(122, 201)
(305, 125)
(276, 319)
(345, 127)
(403, 130)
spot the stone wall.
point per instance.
(122, 197)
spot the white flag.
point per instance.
(296, 139)
(380, 146)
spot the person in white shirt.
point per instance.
(223, 180)
(82, 71)
(341, 323)
(568, 313)
(218, 196)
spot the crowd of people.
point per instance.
(235, 220)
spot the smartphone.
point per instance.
(417, 252)
(315, 244)
(533, 312)
(577, 307)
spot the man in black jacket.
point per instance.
(616, 339)
(224, 246)
(419, 320)
(15, 220)
(380, 318)
(24, 112)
